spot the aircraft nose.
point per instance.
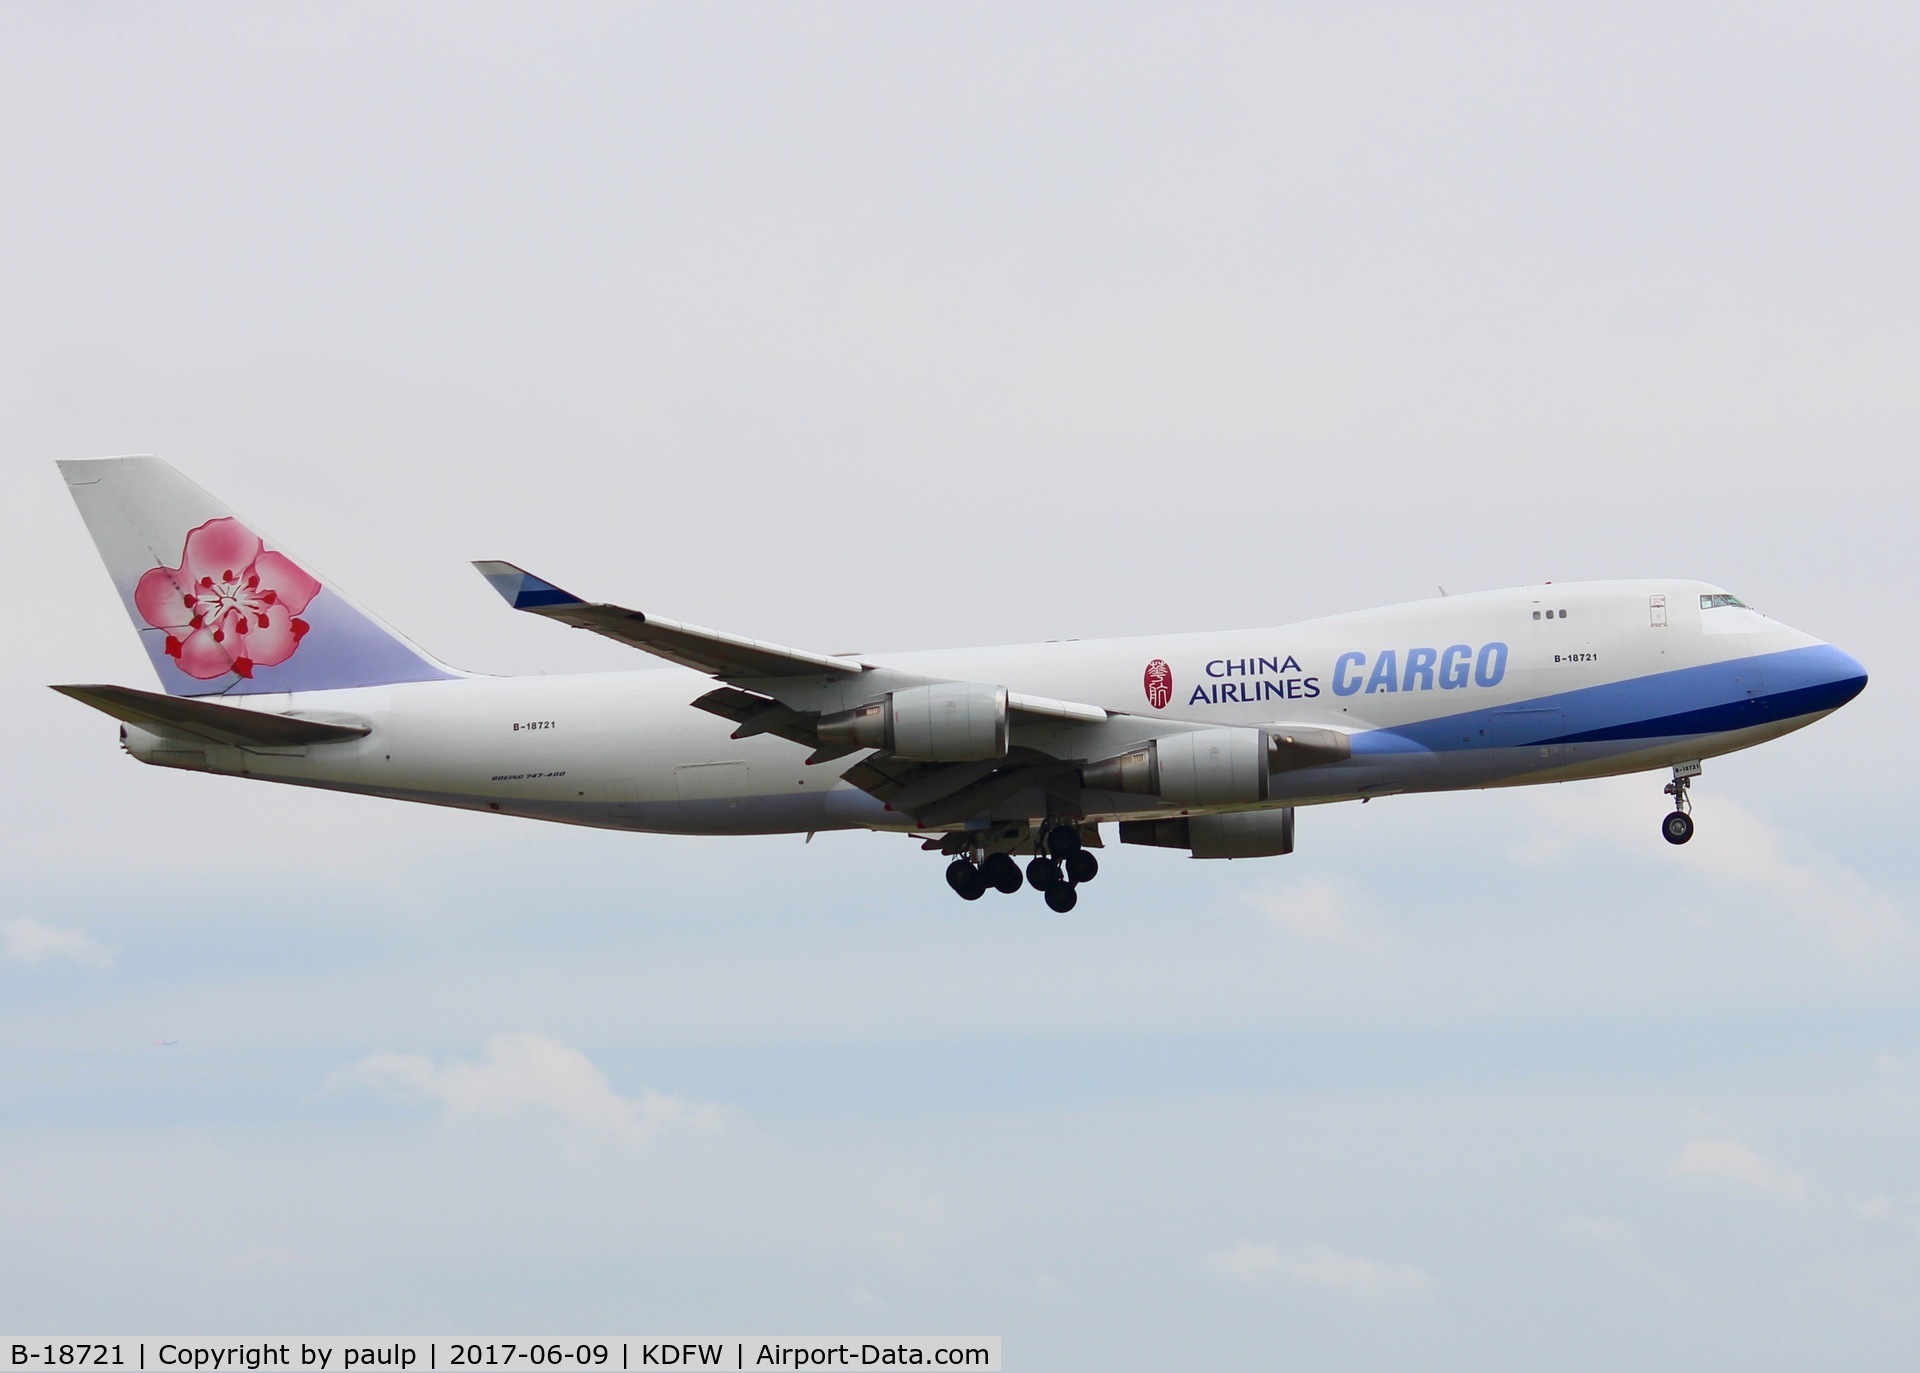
(1846, 678)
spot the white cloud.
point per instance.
(1317, 1265)
(1732, 1161)
(1322, 910)
(28, 941)
(528, 1075)
(908, 1214)
(1733, 848)
(1599, 1229)
(1902, 1210)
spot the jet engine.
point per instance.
(948, 722)
(1215, 767)
(1237, 834)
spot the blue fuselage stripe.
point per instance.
(1739, 693)
(1753, 710)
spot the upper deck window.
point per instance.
(1721, 598)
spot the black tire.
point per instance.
(1082, 867)
(965, 879)
(1002, 873)
(1063, 840)
(1043, 874)
(1677, 828)
(1062, 898)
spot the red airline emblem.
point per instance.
(1159, 683)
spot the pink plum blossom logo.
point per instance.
(1158, 681)
(230, 606)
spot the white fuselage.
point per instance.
(1496, 688)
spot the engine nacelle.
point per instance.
(1215, 767)
(1205, 767)
(1238, 834)
(948, 722)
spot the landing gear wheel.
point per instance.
(1063, 840)
(1081, 867)
(1000, 872)
(1677, 828)
(1043, 874)
(1063, 897)
(965, 879)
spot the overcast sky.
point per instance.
(871, 327)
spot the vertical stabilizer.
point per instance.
(221, 610)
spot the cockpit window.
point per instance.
(1721, 598)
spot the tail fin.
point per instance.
(222, 613)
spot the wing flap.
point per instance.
(883, 777)
(980, 796)
(1046, 707)
(940, 793)
(755, 714)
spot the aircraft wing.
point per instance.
(708, 650)
(727, 656)
(771, 689)
(936, 794)
(205, 720)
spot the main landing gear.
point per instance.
(1677, 828)
(971, 880)
(1059, 867)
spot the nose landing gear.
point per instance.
(1677, 828)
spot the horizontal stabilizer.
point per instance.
(707, 650)
(205, 720)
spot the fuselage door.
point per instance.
(1657, 611)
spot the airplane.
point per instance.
(1203, 742)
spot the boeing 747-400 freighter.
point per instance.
(1204, 741)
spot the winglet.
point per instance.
(522, 590)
